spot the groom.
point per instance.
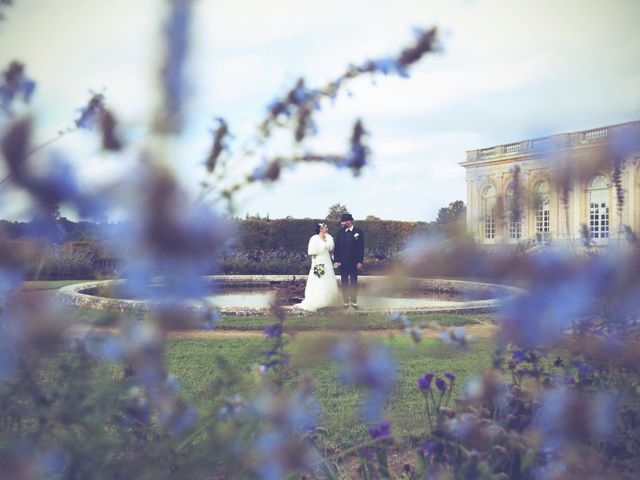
(349, 256)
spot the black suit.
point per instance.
(349, 251)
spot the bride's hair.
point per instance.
(318, 227)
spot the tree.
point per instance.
(372, 217)
(335, 212)
(456, 210)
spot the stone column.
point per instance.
(634, 195)
(501, 220)
(470, 200)
(528, 230)
(578, 203)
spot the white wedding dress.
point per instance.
(321, 291)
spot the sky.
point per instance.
(507, 71)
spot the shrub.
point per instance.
(68, 261)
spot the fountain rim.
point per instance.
(73, 295)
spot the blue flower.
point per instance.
(90, 113)
(233, 406)
(356, 159)
(382, 430)
(430, 449)
(565, 415)
(267, 365)
(604, 413)
(15, 83)
(406, 321)
(519, 356)
(210, 319)
(585, 371)
(277, 107)
(7, 355)
(173, 383)
(27, 87)
(111, 348)
(541, 316)
(10, 280)
(279, 448)
(300, 94)
(424, 383)
(457, 338)
(451, 377)
(171, 238)
(60, 182)
(441, 384)
(269, 353)
(268, 171)
(269, 446)
(177, 416)
(386, 65)
(367, 366)
(274, 330)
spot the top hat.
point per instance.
(346, 217)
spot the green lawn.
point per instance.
(193, 361)
(306, 323)
(344, 322)
(212, 369)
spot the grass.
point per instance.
(303, 323)
(344, 322)
(96, 318)
(212, 369)
(194, 362)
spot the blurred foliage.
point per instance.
(560, 401)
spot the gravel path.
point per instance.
(478, 330)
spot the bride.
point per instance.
(322, 288)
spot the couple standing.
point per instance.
(348, 254)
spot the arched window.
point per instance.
(599, 207)
(489, 211)
(515, 215)
(542, 209)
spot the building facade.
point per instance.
(556, 187)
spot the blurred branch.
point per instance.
(295, 110)
(4, 4)
(300, 102)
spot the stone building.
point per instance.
(550, 188)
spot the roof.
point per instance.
(601, 136)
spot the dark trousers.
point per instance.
(349, 279)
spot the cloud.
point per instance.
(508, 71)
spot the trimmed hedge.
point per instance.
(281, 262)
(72, 260)
(261, 247)
(383, 238)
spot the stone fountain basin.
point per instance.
(474, 297)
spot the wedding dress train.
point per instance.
(322, 287)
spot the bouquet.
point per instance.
(318, 270)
